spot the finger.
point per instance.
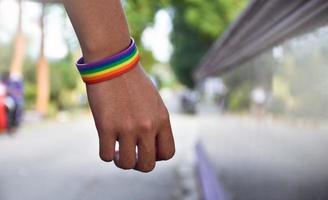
(146, 154)
(107, 146)
(165, 143)
(127, 153)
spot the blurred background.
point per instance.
(245, 82)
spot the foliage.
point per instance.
(196, 25)
(5, 56)
(211, 17)
(141, 15)
(240, 82)
(29, 82)
(304, 76)
(238, 99)
(189, 46)
(64, 79)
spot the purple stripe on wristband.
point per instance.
(85, 66)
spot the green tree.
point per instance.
(5, 55)
(196, 25)
(63, 81)
(141, 15)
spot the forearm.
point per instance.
(127, 108)
(100, 26)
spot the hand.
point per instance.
(128, 109)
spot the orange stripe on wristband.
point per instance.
(112, 74)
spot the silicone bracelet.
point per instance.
(109, 67)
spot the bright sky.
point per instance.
(155, 38)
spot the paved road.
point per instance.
(255, 160)
(60, 161)
(263, 159)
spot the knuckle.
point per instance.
(145, 125)
(165, 117)
(104, 128)
(106, 131)
(128, 126)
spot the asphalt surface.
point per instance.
(254, 160)
(266, 159)
(59, 160)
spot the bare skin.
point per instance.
(127, 109)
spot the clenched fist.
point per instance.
(128, 109)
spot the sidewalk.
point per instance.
(254, 160)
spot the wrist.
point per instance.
(109, 67)
(101, 48)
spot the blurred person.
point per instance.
(188, 101)
(14, 100)
(215, 91)
(259, 98)
(126, 106)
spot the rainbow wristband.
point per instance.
(109, 67)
